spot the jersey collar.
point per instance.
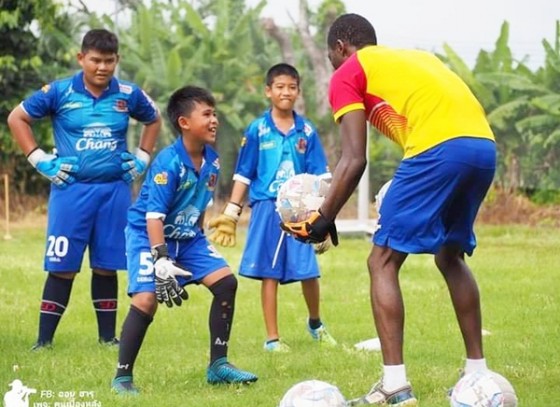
(210, 155)
(298, 121)
(79, 86)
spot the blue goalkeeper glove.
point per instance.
(166, 270)
(134, 165)
(57, 169)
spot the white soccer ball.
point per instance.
(299, 196)
(483, 389)
(313, 393)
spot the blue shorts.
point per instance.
(197, 255)
(271, 253)
(435, 196)
(87, 215)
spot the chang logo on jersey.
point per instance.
(96, 136)
(183, 224)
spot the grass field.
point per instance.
(516, 267)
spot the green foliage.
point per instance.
(516, 268)
(33, 51)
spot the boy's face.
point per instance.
(98, 68)
(201, 124)
(283, 92)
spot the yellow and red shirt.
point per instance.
(410, 96)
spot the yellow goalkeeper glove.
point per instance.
(224, 226)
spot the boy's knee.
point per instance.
(226, 285)
(145, 302)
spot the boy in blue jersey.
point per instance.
(276, 146)
(166, 247)
(90, 176)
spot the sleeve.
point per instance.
(162, 182)
(247, 160)
(347, 88)
(41, 103)
(143, 108)
(315, 158)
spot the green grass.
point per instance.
(516, 267)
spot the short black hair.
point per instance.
(281, 69)
(353, 29)
(100, 40)
(182, 103)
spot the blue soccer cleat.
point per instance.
(223, 372)
(124, 386)
(321, 335)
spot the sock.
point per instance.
(133, 331)
(473, 365)
(315, 323)
(394, 377)
(221, 315)
(104, 293)
(56, 294)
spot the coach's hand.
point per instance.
(134, 165)
(315, 229)
(57, 169)
(166, 270)
(224, 226)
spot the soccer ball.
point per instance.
(483, 389)
(299, 196)
(313, 393)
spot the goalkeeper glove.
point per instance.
(315, 229)
(134, 165)
(57, 169)
(166, 270)
(225, 225)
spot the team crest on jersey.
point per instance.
(161, 178)
(46, 88)
(301, 145)
(121, 105)
(212, 179)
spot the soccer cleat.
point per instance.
(124, 386)
(39, 345)
(378, 396)
(321, 335)
(223, 372)
(110, 342)
(276, 347)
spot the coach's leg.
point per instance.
(465, 298)
(104, 295)
(56, 294)
(388, 311)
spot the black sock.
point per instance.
(104, 293)
(132, 335)
(56, 294)
(221, 315)
(315, 323)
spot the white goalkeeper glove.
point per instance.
(225, 225)
(134, 165)
(57, 169)
(166, 271)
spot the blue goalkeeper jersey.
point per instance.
(175, 192)
(268, 157)
(93, 129)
